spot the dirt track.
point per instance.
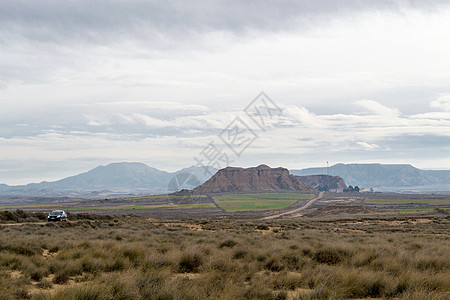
(307, 204)
(31, 223)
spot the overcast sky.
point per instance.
(85, 83)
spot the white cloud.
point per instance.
(302, 115)
(136, 121)
(149, 122)
(442, 102)
(377, 108)
(368, 146)
(154, 105)
(96, 121)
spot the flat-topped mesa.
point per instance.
(256, 179)
(325, 182)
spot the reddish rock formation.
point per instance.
(259, 179)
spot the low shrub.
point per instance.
(117, 264)
(364, 285)
(156, 262)
(61, 277)
(262, 227)
(154, 285)
(189, 263)
(133, 254)
(44, 284)
(273, 265)
(228, 243)
(21, 293)
(287, 281)
(238, 254)
(37, 274)
(11, 261)
(331, 256)
(85, 292)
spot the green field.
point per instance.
(66, 206)
(407, 210)
(127, 207)
(40, 206)
(255, 202)
(160, 197)
(408, 201)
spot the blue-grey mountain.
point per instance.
(116, 178)
(386, 177)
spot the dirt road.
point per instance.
(31, 223)
(20, 224)
(307, 204)
(215, 203)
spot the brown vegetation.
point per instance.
(132, 257)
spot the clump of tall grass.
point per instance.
(189, 263)
(331, 256)
(44, 284)
(37, 273)
(85, 291)
(240, 253)
(228, 243)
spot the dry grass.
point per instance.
(113, 258)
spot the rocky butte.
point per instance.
(256, 179)
(325, 182)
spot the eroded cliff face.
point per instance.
(257, 179)
(325, 182)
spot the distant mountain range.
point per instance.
(115, 179)
(387, 178)
(131, 178)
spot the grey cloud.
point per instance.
(143, 119)
(138, 119)
(436, 144)
(97, 21)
